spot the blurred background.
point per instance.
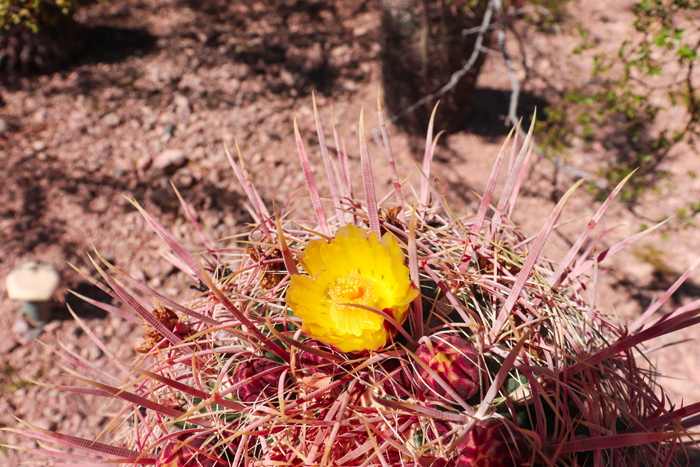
(104, 101)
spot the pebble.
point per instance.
(38, 146)
(45, 424)
(169, 161)
(96, 419)
(25, 333)
(198, 153)
(111, 120)
(94, 353)
(76, 420)
(51, 414)
(39, 116)
(182, 105)
(4, 126)
(7, 345)
(144, 163)
(122, 166)
(118, 172)
(185, 181)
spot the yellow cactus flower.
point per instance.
(353, 268)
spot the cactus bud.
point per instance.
(396, 381)
(432, 461)
(455, 360)
(257, 387)
(314, 363)
(181, 452)
(439, 431)
(491, 444)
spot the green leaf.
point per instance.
(514, 383)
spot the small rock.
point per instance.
(349, 85)
(108, 255)
(4, 126)
(305, 111)
(31, 335)
(50, 413)
(111, 120)
(39, 116)
(24, 333)
(108, 332)
(137, 273)
(182, 105)
(169, 161)
(45, 424)
(119, 172)
(199, 153)
(76, 421)
(32, 281)
(38, 146)
(155, 282)
(191, 82)
(185, 181)
(7, 345)
(144, 163)
(96, 420)
(94, 353)
(52, 326)
(123, 164)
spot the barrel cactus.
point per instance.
(384, 335)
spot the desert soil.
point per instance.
(169, 82)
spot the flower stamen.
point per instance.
(355, 289)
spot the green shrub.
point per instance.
(617, 99)
(33, 13)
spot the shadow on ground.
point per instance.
(28, 54)
(107, 44)
(488, 119)
(79, 306)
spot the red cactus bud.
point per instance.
(455, 360)
(260, 386)
(182, 452)
(492, 444)
(312, 362)
(400, 383)
(431, 461)
(440, 430)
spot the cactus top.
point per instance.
(354, 268)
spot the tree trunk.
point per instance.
(423, 43)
